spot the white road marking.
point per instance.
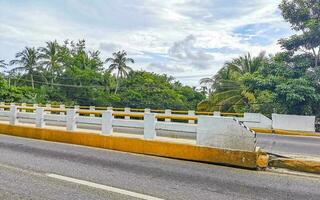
(103, 187)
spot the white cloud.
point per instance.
(179, 37)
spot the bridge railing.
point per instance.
(204, 128)
(134, 110)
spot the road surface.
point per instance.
(33, 169)
(290, 145)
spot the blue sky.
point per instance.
(188, 39)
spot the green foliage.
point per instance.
(70, 74)
(304, 16)
(287, 82)
(144, 89)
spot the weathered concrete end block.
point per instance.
(149, 126)
(106, 125)
(293, 122)
(71, 119)
(224, 132)
(40, 117)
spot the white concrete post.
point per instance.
(127, 110)
(77, 107)
(92, 108)
(109, 108)
(106, 124)
(13, 115)
(35, 105)
(191, 113)
(23, 105)
(147, 110)
(40, 117)
(71, 119)
(149, 126)
(216, 113)
(62, 107)
(167, 112)
(48, 106)
(2, 104)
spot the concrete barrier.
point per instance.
(293, 122)
(256, 120)
(252, 159)
(224, 132)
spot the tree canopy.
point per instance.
(287, 82)
(68, 73)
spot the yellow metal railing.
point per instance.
(97, 111)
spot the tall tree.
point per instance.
(3, 64)
(227, 90)
(119, 64)
(304, 17)
(27, 61)
(50, 59)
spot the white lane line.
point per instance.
(103, 187)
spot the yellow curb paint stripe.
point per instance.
(140, 146)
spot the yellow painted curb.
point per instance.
(285, 132)
(297, 165)
(141, 146)
(262, 130)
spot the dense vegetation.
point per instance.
(70, 74)
(287, 82)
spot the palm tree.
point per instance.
(247, 64)
(228, 90)
(27, 61)
(3, 64)
(50, 59)
(119, 64)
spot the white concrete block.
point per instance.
(127, 110)
(106, 123)
(216, 113)
(149, 126)
(92, 108)
(293, 122)
(40, 117)
(2, 104)
(191, 113)
(62, 107)
(224, 132)
(13, 115)
(167, 112)
(109, 108)
(71, 119)
(48, 106)
(147, 110)
(23, 105)
(256, 120)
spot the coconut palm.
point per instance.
(247, 63)
(228, 92)
(119, 64)
(3, 64)
(27, 61)
(50, 59)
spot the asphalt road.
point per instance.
(32, 169)
(290, 145)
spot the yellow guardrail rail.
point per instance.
(177, 117)
(7, 105)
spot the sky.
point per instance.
(187, 39)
